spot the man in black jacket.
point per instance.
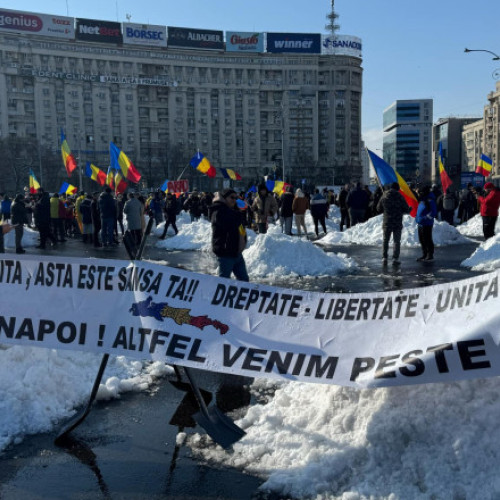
(19, 218)
(170, 210)
(228, 235)
(42, 219)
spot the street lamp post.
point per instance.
(496, 57)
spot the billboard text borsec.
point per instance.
(301, 43)
(37, 24)
(144, 34)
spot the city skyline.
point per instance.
(409, 51)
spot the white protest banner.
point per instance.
(142, 310)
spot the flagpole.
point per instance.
(40, 164)
(180, 176)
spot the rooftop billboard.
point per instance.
(341, 45)
(37, 24)
(144, 34)
(191, 38)
(243, 41)
(300, 43)
(92, 30)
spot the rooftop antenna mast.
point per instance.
(332, 27)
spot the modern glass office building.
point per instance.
(408, 138)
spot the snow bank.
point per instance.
(276, 255)
(370, 233)
(474, 227)
(326, 442)
(486, 257)
(40, 388)
(191, 236)
(30, 238)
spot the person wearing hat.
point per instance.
(489, 202)
(228, 235)
(264, 206)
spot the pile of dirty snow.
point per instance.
(277, 255)
(474, 227)
(486, 257)
(30, 238)
(371, 233)
(40, 388)
(336, 443)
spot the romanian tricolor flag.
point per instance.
(95, 173)
(485, 166)
(68, 189)
(445, 179)
(201, 163)
(229, 173)
(387, 175)
(164, 186)
(34, 184)
(276, 186)
(110, 178)
(120, 184)
(67, 157)
(120, 161)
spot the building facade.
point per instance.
(482, 137)
(297, 114)
(448, 132)
(407, 143)
(472, 145)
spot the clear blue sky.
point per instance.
(411, 49)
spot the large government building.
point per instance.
(283, 104)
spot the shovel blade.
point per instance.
(219, 427)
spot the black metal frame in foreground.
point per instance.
(217, 425)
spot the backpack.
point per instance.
(449, 202)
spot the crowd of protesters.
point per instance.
(100, 218)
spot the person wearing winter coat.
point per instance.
(170, 210)
(489, 202)
(448, 204)
(193, 206)
(133, 211)
(228, 235)
(56, 211)
(357, 202)
(96, 219)
(42, 220)
(466, 204)
(344, 211)
(426, 213)
(156, 206)
(85, 209)
(286, 212)
(264, 206)
(19, 218)
(6, 205)
(299, 206)
(394, 206)
(107, 209)
(319, 209)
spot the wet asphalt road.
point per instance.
(127, 448)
